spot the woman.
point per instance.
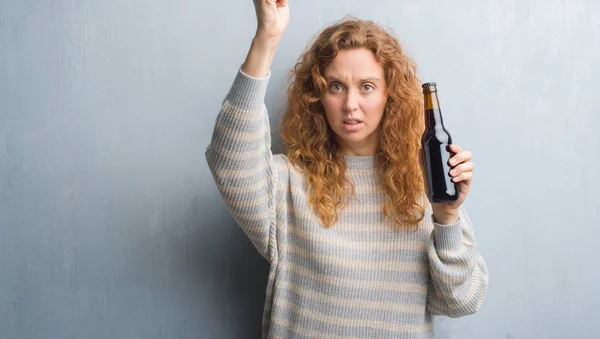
(355, 248)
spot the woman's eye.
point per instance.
(368, 88)
(335, 87)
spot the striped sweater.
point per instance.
(360, 278)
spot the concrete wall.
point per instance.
(110, 223)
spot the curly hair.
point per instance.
(309, 142)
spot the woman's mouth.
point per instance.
(352, 125)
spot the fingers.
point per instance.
(462, 170)
(455, 148)
(464, 176)
(464, 167)
(279, 3)
(460, 156)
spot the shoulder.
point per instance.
(281, 166)
(281, 162)
(286, 169)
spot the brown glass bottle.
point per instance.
(436, 153)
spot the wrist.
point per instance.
(446, 218)
(266, 42)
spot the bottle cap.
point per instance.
(431, 86)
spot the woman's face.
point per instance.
(355, 100)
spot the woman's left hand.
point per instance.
(461, 172)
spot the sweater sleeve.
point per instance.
(240, 159)
(459, 276)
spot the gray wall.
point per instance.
(111, 226)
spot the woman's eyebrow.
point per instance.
(368, 79)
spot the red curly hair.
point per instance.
(309, 141)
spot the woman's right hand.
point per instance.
(273, 17)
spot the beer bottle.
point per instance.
(434, 142)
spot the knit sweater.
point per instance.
(363, 277)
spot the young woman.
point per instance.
(356, 249)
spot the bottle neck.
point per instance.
(431, 100)
(433, 113)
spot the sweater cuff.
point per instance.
(247, 92)
(448, 237)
